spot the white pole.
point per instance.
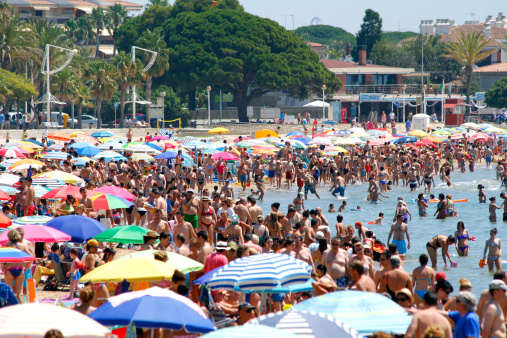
(134, 90)
(47, 85)
(422, 77)
(404, 87)
(209, 108)
(442, 112)
(323, 100)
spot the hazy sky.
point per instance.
(404, 15)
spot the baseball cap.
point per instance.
(232, 246)
(221, 245)
(319, 234)
(440, 276)
(497, 284)
(245, 305)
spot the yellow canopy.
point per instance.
(418, 133)
(218, 131)
(265, 133)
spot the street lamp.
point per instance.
(422, 70)
(209, 112)
(404, 87)
(423, 101)
(323, 99)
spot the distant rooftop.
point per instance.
(346, 67)
(496, 68)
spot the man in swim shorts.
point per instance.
(398, 232)
(190, 206)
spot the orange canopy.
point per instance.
(59, 136)
(265, 133)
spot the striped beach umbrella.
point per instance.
(62, 176)
(109, 202)
(307, 324)
(11, 153)
(31, 220)
(8, 179)
(26, 164)
(47, 182)
(365, 312)
(261, 272)
(107, 146)
(109, 156)
(55, 155)
(116, 191)
(13, 255)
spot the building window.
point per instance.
(384, 79)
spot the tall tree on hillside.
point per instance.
(198, 6)
(102, 80)
(86, 28)
(117, 15)
(370, 32)
(468, 50)
(154, 40)
(101, 20)
(128, 73)
(16, 40)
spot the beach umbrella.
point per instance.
(295, 133)
(130, 270)
(33, 142)
(62, 176)
(356, 130)
(265, 133)
(88, 151)
(80, 228)
(74, 134)
(366, 312)
(142, 148)
(418, 133)
(4, 196)
(321, 141)
(59, 136)
(492, 130)
(110, 202)
(154, 146)
(142, 308)
(5, 221)
(49, 183)
(210, 151)
(434, 139)
(108, 146)
(424, 142)
(109, 156)
(86, 138)
(116, 191)
(179, 262)
(40, 220)
(377, 133)
(406, 139)
(261, 272)
(141, 157)
(186, 139)
(125, 234)
(479, 137)
(218, 131)
(11, 153)
(441, 132)
(38, 233)
(247, 331)
(33, 320)
(263, 151)
(159, 137)
(20, 147)
(61, 193)
(102, 133)
(307, 324)
(54, 155)
(55, 147)
(80, 145)
(13, 255)
(342, 132)
(225, 156)
(195, 145)
(26, 164)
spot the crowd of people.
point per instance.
(216, 221)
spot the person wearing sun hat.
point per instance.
(149, 240)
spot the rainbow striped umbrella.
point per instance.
(109, 202)
(365, 312)
(13, 255)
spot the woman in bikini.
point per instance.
(274, 226)
(140, 211)
(423, 279)
(440, 241)
(494, 245)
(207, 218)
(422, 205)
(462, 239)
(259, 181)
(441, 207)
(210, 162)
(220, 167)
(492, 209)
(369, 268)
(15, 272)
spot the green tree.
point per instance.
(396, 37)
(86, 28)
(128, 73)
(62, 84)
(14, 86)
(82, 98)
(468, 50)
(154, 41)
(242, 54)
(102, 80)
(325, 34)
(172, 105)
(199, 6)
(117, 16)
(101, 20)
(164, 3)
(370, 32)
(16, 41)
(496, 97)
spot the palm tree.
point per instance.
(82, 97)
(63, 83)
(87, 28)
(102, 79)
(128, 73)
(15, 39)
(468, 50)
(154, 40)
(164, 3)
(101, 20)
(118, 14)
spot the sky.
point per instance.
(397, 15)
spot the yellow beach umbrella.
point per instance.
(359, 134)
(88, 159)
(74, 134)
(265, 133)
(418, 133)
(218, 131)
(31, 145)
(62, 176)
(25, 164)
(131, 270)
(140, 156)
(434, 139)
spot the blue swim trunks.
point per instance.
(310, 187)
(488, 159)
(243, 178)
(402, 246)
(341, 282)
(340, 190)
(271, 173)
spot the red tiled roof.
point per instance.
(125, 3)
(314, 44)
(455, 32)
(495, 68)
(347, 64)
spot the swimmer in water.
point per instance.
(373, 196)
(492, 209)
(342, 207)
(331, 208)
(482, 195)
(378, 220)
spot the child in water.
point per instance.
(342, 207)
(378, 220)
(482, 195)
(492, 209)
(331, 208)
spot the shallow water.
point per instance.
(421, 229)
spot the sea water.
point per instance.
(421, 229)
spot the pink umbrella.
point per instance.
(11, 152)
(159, 137)
(116, 191)
(38, 233)
(242, 139)
(225, 156)
(86, 138)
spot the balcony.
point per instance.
(411, 89)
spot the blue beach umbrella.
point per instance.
(88, 151)
(171, 155)
(35, 142)
(406, 139)
(102, 134)
(154, 146)
(55, 155)
(260, 272)
(305, 139)
(79, 145)
(295, 133)
(309, 325)
(80, 228)
(365, 312)
(143, 308)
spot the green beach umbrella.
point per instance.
(125, 234)
(109, 202)
(180, 262)
(131, 144)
